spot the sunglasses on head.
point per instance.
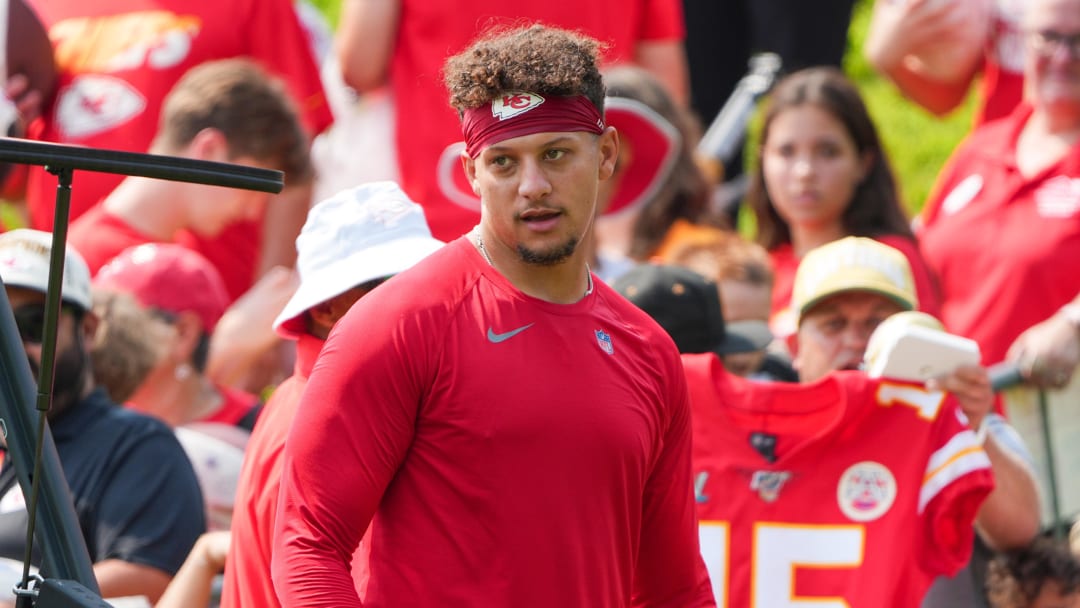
(30, 319)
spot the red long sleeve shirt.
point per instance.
(506, 451)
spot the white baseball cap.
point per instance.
(359, 234)
(24, 262)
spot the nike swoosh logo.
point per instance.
(495, 338)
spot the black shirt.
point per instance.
(136, 495)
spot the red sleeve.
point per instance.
(663, 21)
(958, 478)
(355, 426)
(279, 42)
(670, 571)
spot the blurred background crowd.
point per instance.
(752, 134)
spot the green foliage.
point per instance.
(917, 142)
(330, 8)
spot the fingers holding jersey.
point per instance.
(26, 101)
(970, 384)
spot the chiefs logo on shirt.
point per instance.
(92, 104)
(1058, 197)
(866, 491)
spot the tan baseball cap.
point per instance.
(853, 264)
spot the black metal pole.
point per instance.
(173, 168)
(64, 552)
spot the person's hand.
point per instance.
(245, 332)
(970, 384)
(27, 101)
(899, 28)
(1047, 353)
(212, 548)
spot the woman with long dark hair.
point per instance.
(822, 175)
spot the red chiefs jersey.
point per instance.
(858, 493)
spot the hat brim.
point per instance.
(372, 263)
(897, 297)
(655, 145)
(744, 337)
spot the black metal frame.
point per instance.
(33, 455)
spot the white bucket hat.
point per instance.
(359, 234)
(24, 262)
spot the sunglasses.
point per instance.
(30, 319)
(1047, 43)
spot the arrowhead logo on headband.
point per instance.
(512, 104)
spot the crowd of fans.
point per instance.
(193, 316)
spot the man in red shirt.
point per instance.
(116, 62)
(506, 428)
(229, 110)
(847, 488)
(914, 443)
(351, 243)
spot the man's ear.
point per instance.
(609, 152)
(89, 327)
(468, 163)
(209, 144)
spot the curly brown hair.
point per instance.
(128, 344)
(537, 58)
(1017, 577)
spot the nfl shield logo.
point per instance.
(604, 341)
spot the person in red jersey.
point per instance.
(351, 243)
(117, 60)
(813, 492)
(849, 491)
(507, 429)
(922, 445)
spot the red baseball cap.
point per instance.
(168, 277)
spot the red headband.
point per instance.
(516, 114)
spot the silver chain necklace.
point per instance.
(483, 252)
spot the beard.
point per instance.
(68, 374)
(550, 257)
